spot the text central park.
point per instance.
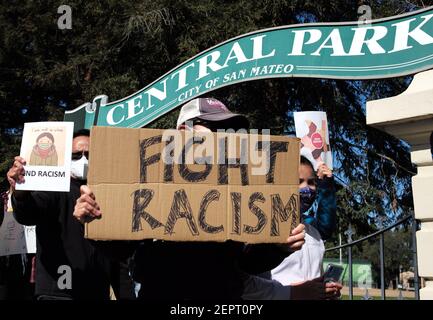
(315, 42)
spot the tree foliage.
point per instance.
(115, 48)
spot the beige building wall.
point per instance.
(409, 116)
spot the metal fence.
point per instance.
(380, 235)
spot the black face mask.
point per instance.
(307, 197)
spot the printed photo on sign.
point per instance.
(312, 129)
(47, 148)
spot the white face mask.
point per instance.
(79, 168)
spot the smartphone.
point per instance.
(333, 273)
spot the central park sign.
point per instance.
(385, 48)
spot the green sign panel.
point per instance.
(391, 47)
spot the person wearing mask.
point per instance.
(299, 276)
(68, 266)
(44, 151)
(169, 270)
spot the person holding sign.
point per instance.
(198, 270)
(68, 266)
(299, 276)
(318, 205)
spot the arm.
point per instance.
(325, 219)
(30, 206)
(259, 258)
(86, 208)
(258, 288)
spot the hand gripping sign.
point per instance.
(184, 186)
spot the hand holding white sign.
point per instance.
(297, 238)
(45, 157)
(16, 172)
(323, 171)
(86, 208)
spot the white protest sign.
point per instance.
(14, 237)
(47, 149)
(312, 129)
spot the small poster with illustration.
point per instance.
(47, 149)
(312, 129)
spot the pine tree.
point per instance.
(118, 47)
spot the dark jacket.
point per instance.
(322, 214)
(60, 241)
(200, 271)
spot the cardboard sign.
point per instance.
(14, 237)
(180, 186)
(312, 129)
(47, 148)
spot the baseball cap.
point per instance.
(210, 109)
